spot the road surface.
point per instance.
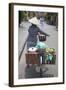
(52, 42)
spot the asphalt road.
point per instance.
(52, 41)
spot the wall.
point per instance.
(4, 43)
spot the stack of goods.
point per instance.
(49, 53)
(39, 53)
(50, 56)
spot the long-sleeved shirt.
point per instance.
(33, 32)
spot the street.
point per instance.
(52, 42)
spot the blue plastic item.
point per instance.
(49, 57)
(41, 45)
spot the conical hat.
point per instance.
(34, 20)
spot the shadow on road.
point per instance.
(32, 73)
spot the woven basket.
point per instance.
(42, 37)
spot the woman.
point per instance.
(33, 33)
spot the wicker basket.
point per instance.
(32, 58)
(42, 37)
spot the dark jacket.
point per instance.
(32, 37)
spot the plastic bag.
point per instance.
(41, 45)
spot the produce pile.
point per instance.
(49, 53)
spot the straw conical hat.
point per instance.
(34, 20)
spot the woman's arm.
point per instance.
(41, 32)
